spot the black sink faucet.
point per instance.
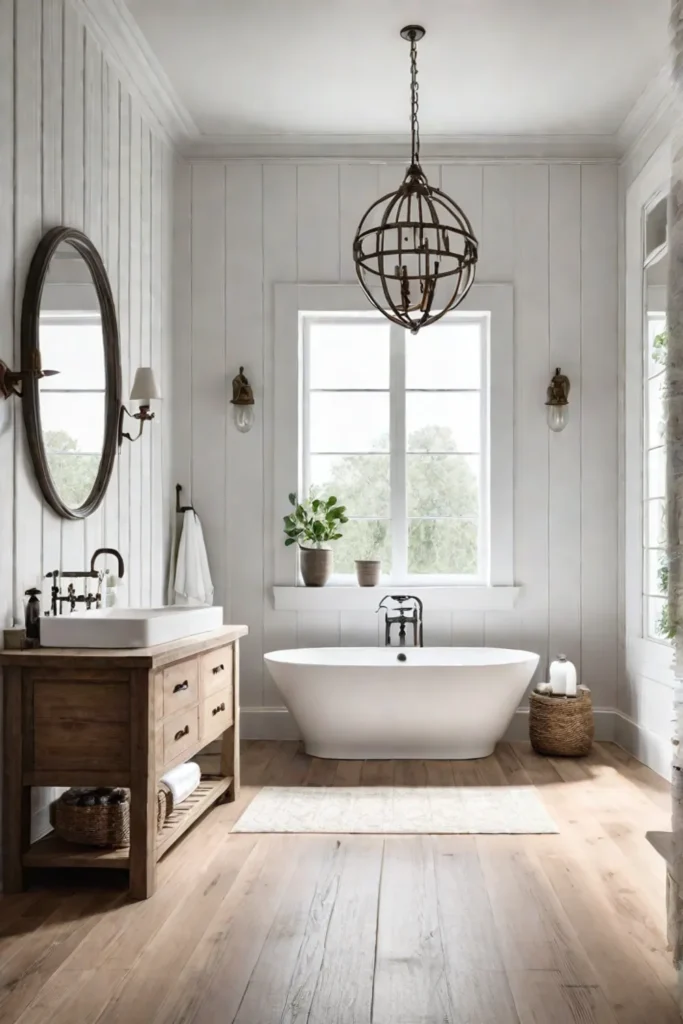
(108, 551)
(408, 612)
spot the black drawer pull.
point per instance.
(183, 732)
(221, 707)
(181, 686)
(218, 668)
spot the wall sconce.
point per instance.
(11, 379)
(243, 402)
(144, 390)
(558, 401)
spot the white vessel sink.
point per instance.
(127, 627)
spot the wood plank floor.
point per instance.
(370, 929)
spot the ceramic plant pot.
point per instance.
(368, 572)
(316, 566)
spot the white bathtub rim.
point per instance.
(387, 657)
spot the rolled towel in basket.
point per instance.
(182, 781)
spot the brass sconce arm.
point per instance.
(143, 416)
(12, 382)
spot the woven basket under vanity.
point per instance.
(561, 726)
(102, 824)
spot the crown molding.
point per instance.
(396, 148)
(654, 103)
(128, 51)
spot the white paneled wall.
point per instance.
(551, 230)
(82, 153)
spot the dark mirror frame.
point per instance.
(30, 344)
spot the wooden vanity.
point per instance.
(116, 718)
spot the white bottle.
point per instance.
(562, 676)
(109, 595)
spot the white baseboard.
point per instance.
(652, 749)
(278, 724)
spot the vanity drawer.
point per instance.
(180, 685)
(180, 732)
(216, 670)
(216, 714)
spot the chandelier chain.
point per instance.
(414, 101)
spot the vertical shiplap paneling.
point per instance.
(7, 409)
(111, 222)
(358, 189)
(53, 215)
(183, 345)
(73, 187)
(125, 288)
(564, 467)
(155, 516)
(145, 444)
(135, 493)
(318, 222)
(599, 493)
(209, 371)
(27, 232)
(166, 343)
(279, 266)
(497, 263)
(318, 259)
(244, 346)
(93, 193)
(531, 432)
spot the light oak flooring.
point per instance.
(371, 929)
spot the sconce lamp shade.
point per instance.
(144, 386)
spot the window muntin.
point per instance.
(396, 426)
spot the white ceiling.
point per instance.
(339, 67)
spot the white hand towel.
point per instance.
(193, 584)
(182, 781)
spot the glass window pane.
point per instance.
(656, 434)
(656, 473)
(363, 538)
(657, 618)
(443, 422)
(657, 337)
(443, 485)
(73, 475)
(655, 523)
(443, 546)
(350, 355)
(77, 351)
(361, 482)
(72, 422)
(446, 356)
(656, 572)
(349, 422)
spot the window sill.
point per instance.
(351, 598)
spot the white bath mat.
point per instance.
(394, 810)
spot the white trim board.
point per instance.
(346, 598)
(276, 723)
(649, 748)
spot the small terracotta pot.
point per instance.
(316, 566)
(368, 572)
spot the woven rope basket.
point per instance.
(561, 726)
(102, 825)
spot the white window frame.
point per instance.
(398, 461)
(645, 657)
(646, 497)
(499, 591)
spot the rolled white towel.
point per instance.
(182, 781)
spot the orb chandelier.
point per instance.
(415, 243)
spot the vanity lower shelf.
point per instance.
(53, 852)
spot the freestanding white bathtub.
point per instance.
(367, 702)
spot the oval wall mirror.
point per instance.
(68, 325)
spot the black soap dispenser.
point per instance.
(32, 618)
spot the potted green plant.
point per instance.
(312, 525)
